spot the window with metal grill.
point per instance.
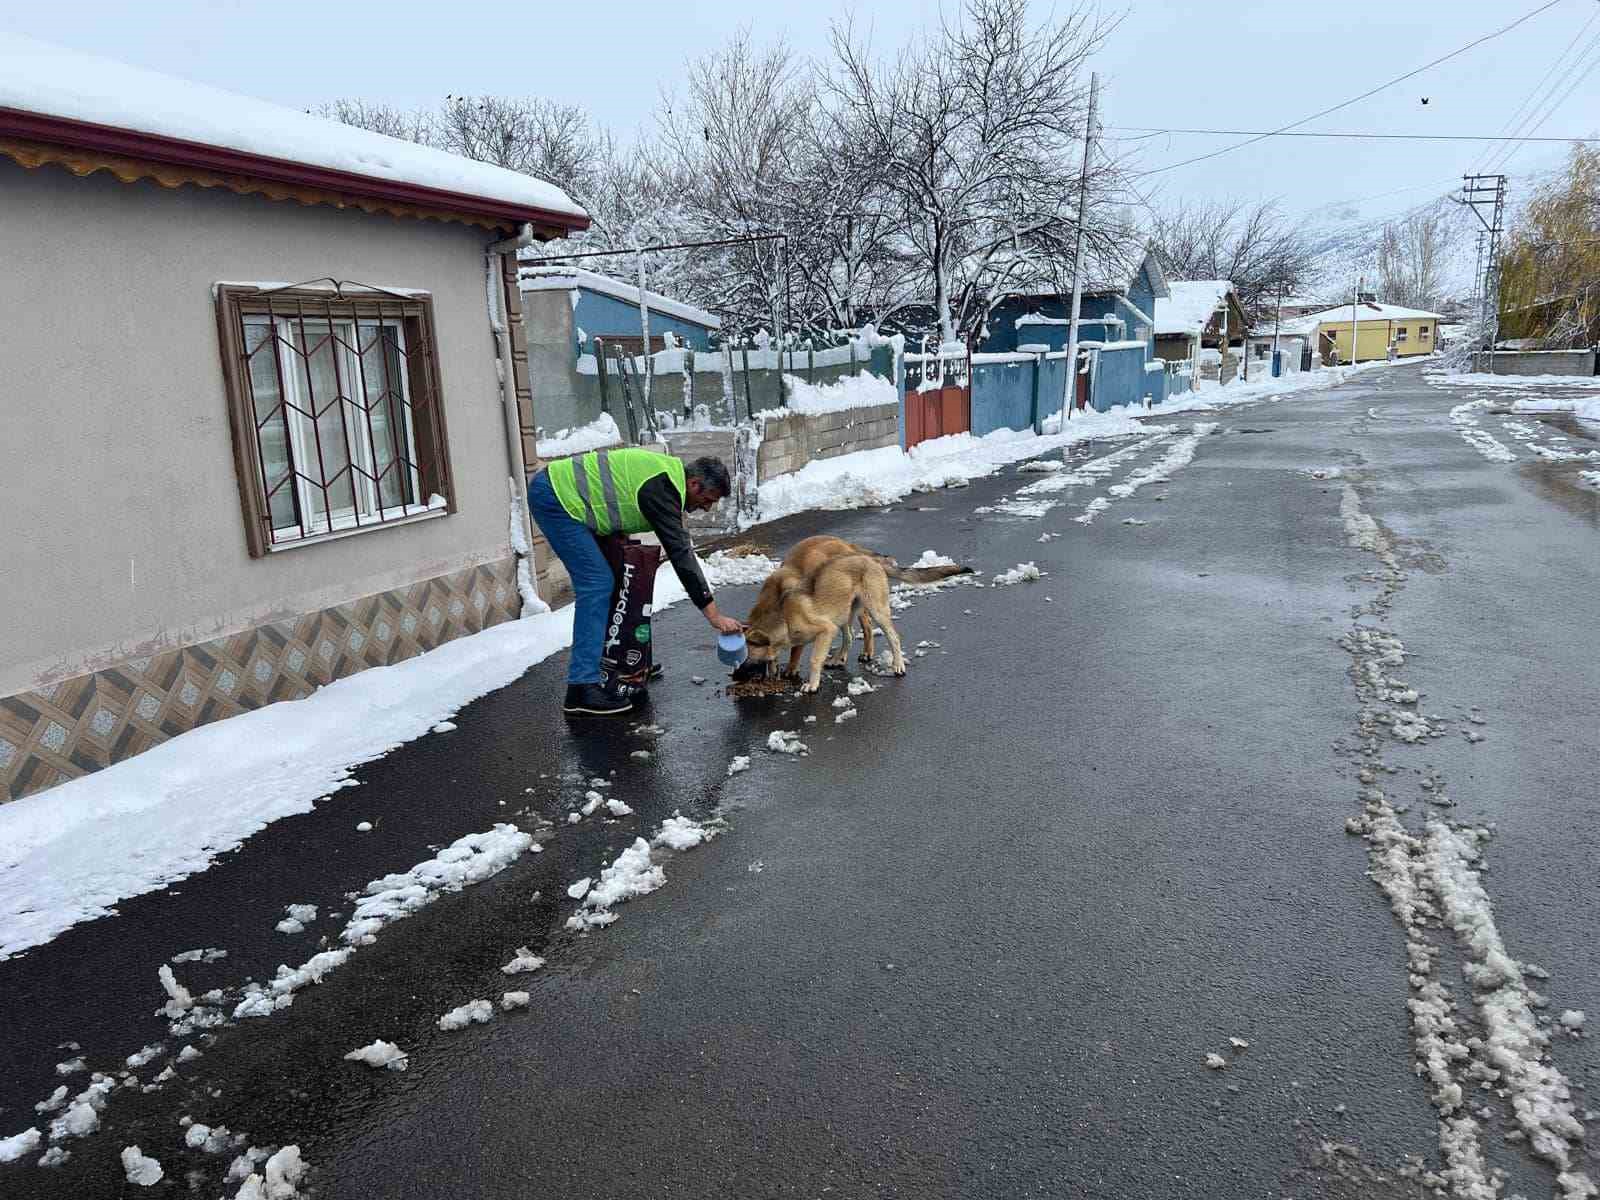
(334, 403)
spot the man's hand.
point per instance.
(719, 622)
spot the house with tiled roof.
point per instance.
(266, 387)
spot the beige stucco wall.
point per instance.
(122, 534)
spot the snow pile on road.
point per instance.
(139, 1168)
(861, 390)
(722, 569)
(1592, 478)
(526, 960)
(1041, 466)
(297, 917)
(1160, 471)
(1018, 574)
(679, 832)
(930, 558)
(207, 955)
(378, 1054)
(885, 475)
(473, 1012)
(602, 431)
(784, 741)
(630, 876)
(1516, 1046)
(1091, 510)
(513, 1000)
(1465, 418)
(741, 762)
(212, 1139)
(19, 1144)
(1587, 409)
(1096, 469)
(467, 860)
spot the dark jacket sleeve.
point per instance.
(663, 508)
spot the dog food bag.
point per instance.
(625, 654)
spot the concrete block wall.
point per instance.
(1535, 362)
(790, 442)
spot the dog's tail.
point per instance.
(921, 574)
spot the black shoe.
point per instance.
(655, 673)
(596, 700)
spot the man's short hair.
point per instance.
(713, 476)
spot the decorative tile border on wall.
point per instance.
(79, 725)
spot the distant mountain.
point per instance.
(1345, 243)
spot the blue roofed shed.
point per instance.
(609, 308)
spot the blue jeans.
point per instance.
(592, 579)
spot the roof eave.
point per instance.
(109, 139)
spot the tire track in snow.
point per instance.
(1432, 880)
(1034, 500)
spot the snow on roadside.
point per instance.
(724, 570)
(885, 475)
(1587, 409)
(1483, 379)
(679, 832)
(70, 854)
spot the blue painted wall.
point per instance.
(1002, 397)
(599, 315)
(1119, 378)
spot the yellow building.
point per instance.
(1410, 331)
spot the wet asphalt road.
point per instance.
(978, 941)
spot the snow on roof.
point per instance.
(51, 81)
(1189, 306)
(1369, 311)
(550, 279)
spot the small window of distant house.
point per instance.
(1400, 333)
(335, 409)
(1422, 333)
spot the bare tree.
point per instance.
(971, 133)
(1253, 246)
(1411, 258)
(414, 125)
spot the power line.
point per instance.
(1403, 137)
(1364, 95)
(1503, 157)
(1517, 113)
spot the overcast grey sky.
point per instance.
(1252, 64)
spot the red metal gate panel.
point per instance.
(938, 398)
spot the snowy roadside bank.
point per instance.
(71, 853)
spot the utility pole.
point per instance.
(1277, 324)
(1071, 397)
(1485, 195)
(644, 328)
(1354, 300)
